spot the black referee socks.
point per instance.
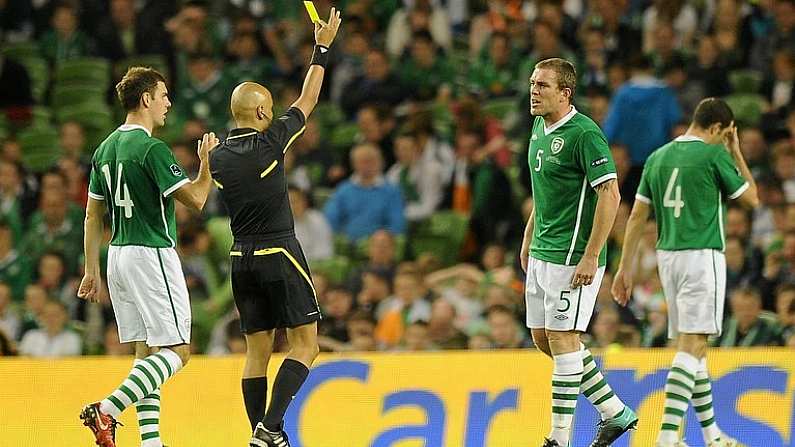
(291, 376)
(255, 395)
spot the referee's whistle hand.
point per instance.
(325, 32)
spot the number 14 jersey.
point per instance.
(136, 175)
(687, 182)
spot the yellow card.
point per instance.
(310, 8)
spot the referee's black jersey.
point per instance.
(248, 169)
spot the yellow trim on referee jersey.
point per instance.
(274, 250)
(218, 184)
(269, 169)
(235, 253)
(297, 134)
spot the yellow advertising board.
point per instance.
(458, 399)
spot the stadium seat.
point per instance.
(42, 116)
(747, 108)
(362, 247)
(329, 115)
(40, 148)
(39, 73)
(84, 71)
(336, 269)
(21, 50)
(66, 96)
(155, 61)
(442, 235)
(745, 81)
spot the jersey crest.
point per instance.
(556, 145)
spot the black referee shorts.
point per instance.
(272, 285)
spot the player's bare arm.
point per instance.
(94, 227)
(194, 194)
(608, 199)
(622, 283)
(325, 32)
(524, 253)
(750, 198)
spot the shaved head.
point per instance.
(252, 106)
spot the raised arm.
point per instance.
(194, 194)
(92, 239)
(324, 36)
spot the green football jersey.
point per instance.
(687, 183)
(567, 161)
(135, 175)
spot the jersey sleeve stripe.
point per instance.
(603, 179)
(642, 198)
(95, 196)
(176, 186)
(290, 141)
(740, 191)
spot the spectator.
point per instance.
(55, 228)
(680, 16)
(504, 329)
(424, 15)
(248, 65)
(606, 328)
(596, 58)
(365, 202)
(51, 278)
(754, 148)
(10, 323)
(416, 337)
(442, 330)
(204, 93)
(642, 115)
(311, 228)
(350, 65)
(313, 155)
(420, 181)
(337, 307)
(54, 339)
(406, 306)
(741, 271)
(494, 75)
(377, 126)
(126, 34)
(781, 37)
(426, 70)
(779, 88)
(785, 300)
(65, 41)
(35, 301)
(194, 243)
(15, 269)
(361, 332)
(16, 95)
(375, 288)
(458, 285)
(621, 38)
(747, 326)
(707, 69)
(378, 85)
(13, 197)
(480, 341)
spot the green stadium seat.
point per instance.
(155, 61)
(336, 269)
(40, 148)
(84, 71)
(747, 107)
(21, 50)
(343, 246)
(329, 115)
(39, 72)
(442, 235)
(745, 81)
(66, 96)
(42, 116)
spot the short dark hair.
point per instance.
(565, 71)
(712, 110)
(136, 82)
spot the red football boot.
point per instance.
(102, 425)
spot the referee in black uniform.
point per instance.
(270, 276)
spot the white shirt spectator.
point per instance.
(426, 176)
(314, 233)
(37, 343)
(10, 323)
(398, 33)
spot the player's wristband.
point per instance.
(320, 56)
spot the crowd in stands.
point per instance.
(410, 186)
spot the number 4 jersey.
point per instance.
(135, 175)
(567, 161)
(687, 182)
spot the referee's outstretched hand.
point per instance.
(208, 142)
(326, 31)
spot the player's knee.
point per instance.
(693, 344)
(541, 342)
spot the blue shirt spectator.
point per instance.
(642, 114)
(365, 203)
